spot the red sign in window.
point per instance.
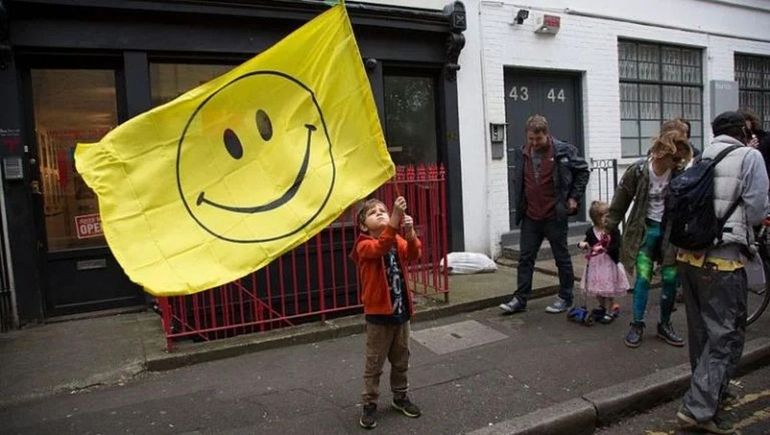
(88, 225)
(551, 21)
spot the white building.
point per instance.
(670, 53)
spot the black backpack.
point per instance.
(690, 206)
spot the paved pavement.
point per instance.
(469, 371)
(750, 415)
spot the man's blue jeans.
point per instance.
(532, 234)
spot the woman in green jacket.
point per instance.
(645, 234)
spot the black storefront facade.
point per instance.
(72, 70)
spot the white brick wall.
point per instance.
(587, 44)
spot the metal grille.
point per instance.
(753, 76)
(658, 83)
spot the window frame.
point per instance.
(660, 83)
(763, 112)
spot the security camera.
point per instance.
(522, 15)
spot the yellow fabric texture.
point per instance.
(698, 260)
(219, 182)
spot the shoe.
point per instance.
(600, 315)
(666, 333)
(715, 425)
(514, 306)
(558, 306)
(615, 310)
(634, 337)
(406, 407)
(368, 420)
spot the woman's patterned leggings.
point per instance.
(644, 264)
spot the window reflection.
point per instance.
(410, 119)
(70, 106)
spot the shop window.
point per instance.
(70, 106)
(170, 80)
(753, 76)
(410, 119)
(657, 83)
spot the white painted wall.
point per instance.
(587, 42)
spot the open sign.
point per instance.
(88, 225)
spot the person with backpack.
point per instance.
(713, 278)
(645, 236)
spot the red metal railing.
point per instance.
(317, 280)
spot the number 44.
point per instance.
(553, 95)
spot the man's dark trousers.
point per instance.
(532, 234)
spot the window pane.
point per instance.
(629, 147)
(672, 94)
(70, 106)
(650, 129)
(672, 110)
(628, 69)
(692, 111)
(170, 80)
(629, 128)
(696, 128)
(649, 108)
(410, 119)
(627, 50)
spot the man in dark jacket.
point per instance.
(550, 179)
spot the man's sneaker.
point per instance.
(635, 334)
(368, 420)
(558, 306)
(715, 425)
(406, 407)
(514, 306)
(666, 333)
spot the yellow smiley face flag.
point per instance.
(219, 182)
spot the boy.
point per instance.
(380, 254)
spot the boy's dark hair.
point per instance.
(365, 207)
(730, 123)
(593, 210)
(537, 124)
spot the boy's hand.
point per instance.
(399, 206)
(408, 226)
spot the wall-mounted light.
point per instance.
(521, 15)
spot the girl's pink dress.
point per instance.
(602, 276)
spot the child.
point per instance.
(380, 255)
(604, 276)
(645, 233)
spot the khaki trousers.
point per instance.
(391, 342)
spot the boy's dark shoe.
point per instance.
(716, 425)
(634, 337)
(406, 407)
(368, 416)
(514, 306)
(666, 333)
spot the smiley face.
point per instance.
(254, 162)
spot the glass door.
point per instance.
(71, 106)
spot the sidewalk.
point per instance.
(562, 373)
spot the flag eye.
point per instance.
(233, 144)
(264, 125)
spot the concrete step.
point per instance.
(574, 229)
(512, 251)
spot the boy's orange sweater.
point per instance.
(367, 254)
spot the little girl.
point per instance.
(604, 276)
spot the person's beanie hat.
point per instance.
(726, 120)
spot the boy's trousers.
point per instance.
(391, 342)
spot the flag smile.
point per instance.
(286, 197)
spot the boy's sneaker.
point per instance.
(634, 337)
(514, 306)
(406, 407)
(715, 425)
(368, 416)
(558, 306)
(666, 333)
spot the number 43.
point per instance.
(553, 96)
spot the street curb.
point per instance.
(609, 405)
(158, 359)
